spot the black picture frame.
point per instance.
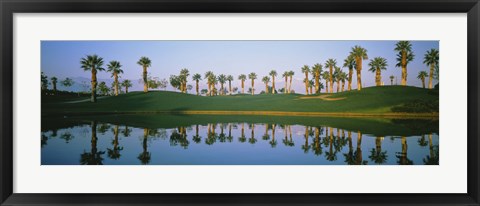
(10, 7)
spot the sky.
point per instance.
(62, 59)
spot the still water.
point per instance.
(237, 140)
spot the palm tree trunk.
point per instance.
(273, 84)
(359, 79)
(290, 85)
(126, 90)
(404, 68)
(378, 77)
(338, 87)
(209, 93)
(222, 91)
(230, 87)
(253, 90)
(306, 83)
(145, 83)
(423, 82)
(115, 76)
(343, 86)
(430, 77)
(243, 87)
(331, 79)
(350, 74)
(311, 89)
(197, 88)
(94, 85)
(286, 85)
(317, 82)
(326, 86)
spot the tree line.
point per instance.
(332, 74)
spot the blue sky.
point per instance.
(62, 58)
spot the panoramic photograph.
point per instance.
(196, 102)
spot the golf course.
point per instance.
(395, 101)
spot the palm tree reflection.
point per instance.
(316, 145)
(331, 155)
(126, 131)
(115, 152)
(242, 137)
(266, 136)
(145, 156)
(305, 146)
(94, 157)
(433, 158)
(403, 156)
(197, 139)
(273, 142)
(376, 154)
(252, 139)
(286, 141)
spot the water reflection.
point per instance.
(86, 142)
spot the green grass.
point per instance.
(372, 100)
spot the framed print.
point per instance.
(263, 102)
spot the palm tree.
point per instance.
(306, 70)
(290, 74)
(93, 63)
(184, 73)
(404, 56)
(230, 79)
(197, 77)
(145, 63)
(421, 76)
(391, 79)
(326, 76)
(336, 77)
(208, 75)
(266, 80)
(349, 62)
(331, 63)
(54, 84)
(285, 75)
(214, 81)
(378, 64)
(126, 83)
(114, 68)
(317, 70)
(44, 81)
(242, 77)
(431, 59)
(273, 73)
(253, 76)
(311, 83)
(343, 77)
(359, 54)
(222, 79)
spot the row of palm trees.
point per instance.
(334, 74)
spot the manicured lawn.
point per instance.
(375, 100)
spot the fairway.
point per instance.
(369, 101)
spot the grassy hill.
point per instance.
(372, 100)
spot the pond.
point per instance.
(237, 140)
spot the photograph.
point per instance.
(239, 102)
